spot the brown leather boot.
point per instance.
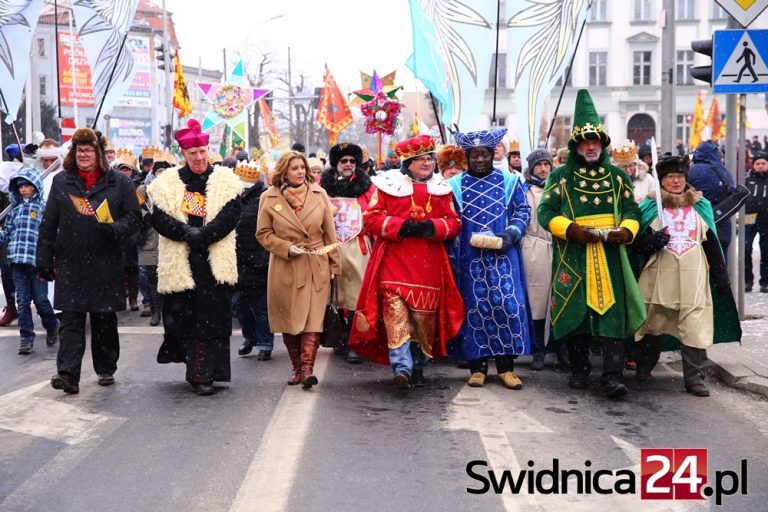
(310, 342)
(9, 314)
(293, 344)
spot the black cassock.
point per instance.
(198, 323)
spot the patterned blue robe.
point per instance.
(492, 283)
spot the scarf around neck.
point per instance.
(89, 178)
(296, 196)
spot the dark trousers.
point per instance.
(749, 237)
(105, 343)
(153, 297)
(537, 342)
(694, 359)
(252, 314)
(9, 289)
(613, 356)
(207, 360)
(503, 364)
(30, 289)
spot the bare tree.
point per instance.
(262, 74)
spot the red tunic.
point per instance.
(416, 269)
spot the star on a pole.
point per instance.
(229, 101)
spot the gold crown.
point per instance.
(162, 156)
(148, 152)
(514, 146)
(624, 154)
(247, 172)
(126, 156)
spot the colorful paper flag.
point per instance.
(333, 112)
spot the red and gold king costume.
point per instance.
(408, 291)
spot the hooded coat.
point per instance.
(88, 264)
(710, 177)
(22, 225)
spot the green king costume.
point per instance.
(594, 294)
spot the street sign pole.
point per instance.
(740, 174)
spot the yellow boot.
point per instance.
(511, 380)
(477, 380)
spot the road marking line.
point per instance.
(267, 484)
(126, 329)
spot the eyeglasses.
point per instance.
(675, 177)
(423, 158)
(85, 151)
(347, 161)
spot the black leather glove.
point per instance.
(46, 273)
(650, 242)
(106, 230)
(194, 237)
(424, 229)
(508, 239)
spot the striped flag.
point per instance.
(268, 118)
(181, 101)
(697, 123)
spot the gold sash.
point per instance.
(600, 295)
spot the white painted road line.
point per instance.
(267, 484)
(13, 331)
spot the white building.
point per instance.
(619, 61)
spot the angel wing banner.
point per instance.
(452, 51)
(101, 26)
(542, 36)
(18, 19)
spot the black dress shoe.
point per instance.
(747, 288)
(202, 389)
(614, 388)
(155, 320)
(763, 289)
(246, 348)
(417, 379)
(264, 355)
(537, 363)
(353, 358)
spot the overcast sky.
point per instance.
(349, 35)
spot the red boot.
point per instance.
(9, 315)
(310, 342)
(293, 344)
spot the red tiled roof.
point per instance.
(147, 12)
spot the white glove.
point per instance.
(296, 251)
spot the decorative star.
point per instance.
(372, 84)
(229, 101)
(381, 114)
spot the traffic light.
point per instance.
(160, 56)
(703, 73)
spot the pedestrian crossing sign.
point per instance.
(740, 61)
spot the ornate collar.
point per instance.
(397, 184)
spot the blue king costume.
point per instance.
(494, 216)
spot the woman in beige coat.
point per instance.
(295, 224)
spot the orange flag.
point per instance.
(714, 121)
(269, 122)
(697, 123)
(181, 99)
(333, 111)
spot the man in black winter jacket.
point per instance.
(81, 248)
(756, 221)
(252, 269)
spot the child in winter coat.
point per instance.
(21, 230)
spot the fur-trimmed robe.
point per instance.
(174, 273)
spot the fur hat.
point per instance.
(671, 164)
(345, 149)
(86, 137)
(451, 156)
